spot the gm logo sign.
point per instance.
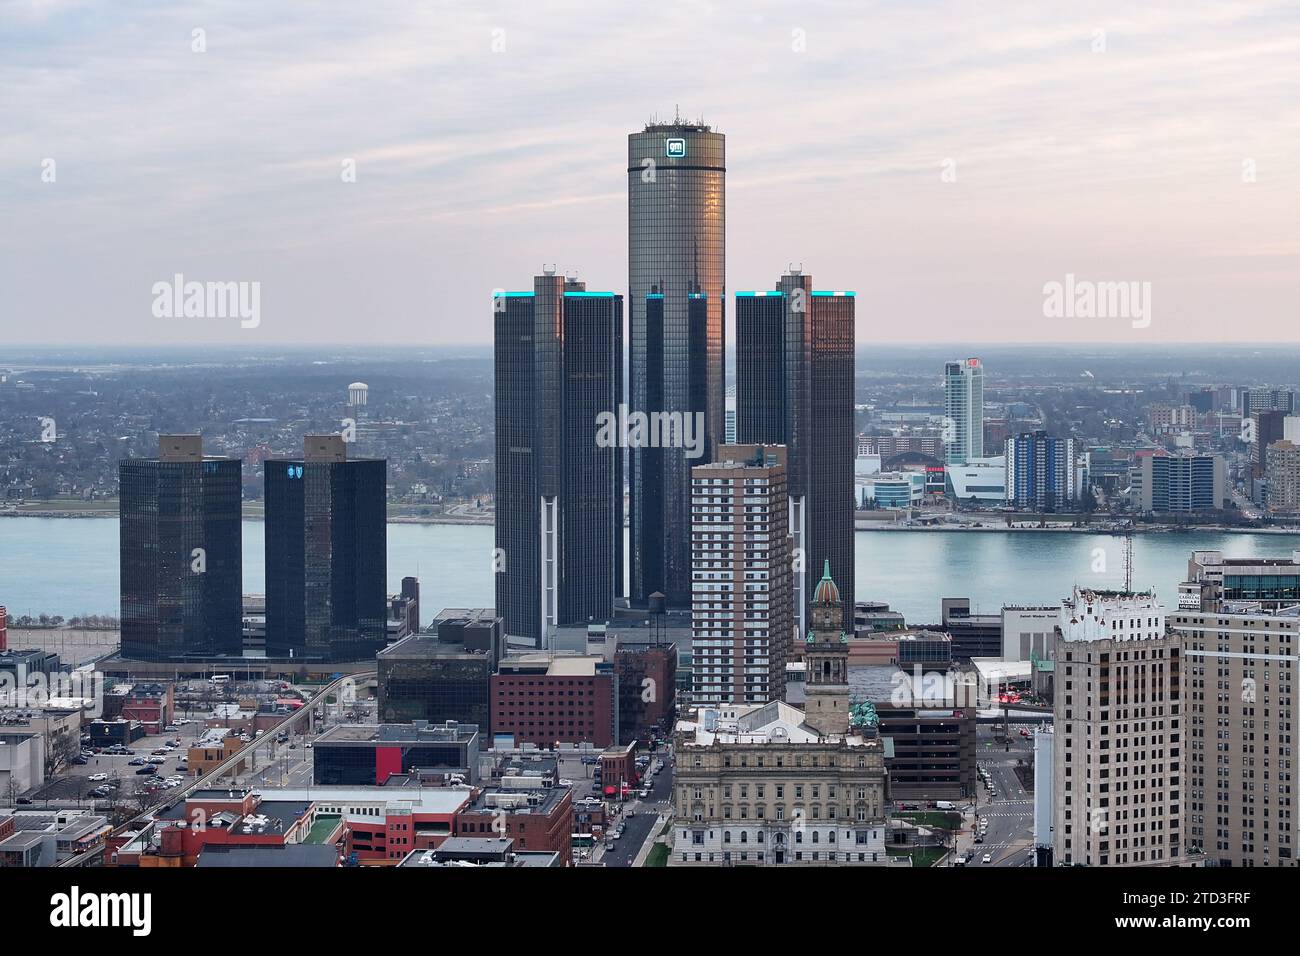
(675, 148)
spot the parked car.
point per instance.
(97, 777)
(138, 761)
(157, 760)
(80, 761)
(146, 770)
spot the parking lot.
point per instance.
(73, 784)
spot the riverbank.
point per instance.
(256, 514)
(860, 525)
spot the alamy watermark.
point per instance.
(628, 429)
(179, 299)
(32, 691)
(1085, 299)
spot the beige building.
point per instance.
(1118, 768)
(1283, 473)
(742, 608)
(770, 785)
(1240, 624)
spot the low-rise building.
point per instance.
(537, 817)
(489, 852)
(547, 699)
(369, 754)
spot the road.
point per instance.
(644, 824)
(1010, 814)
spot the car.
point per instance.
(157, 760)
(137, 762)
(97, 777)
(979, 838)
(643, 793)
(24, 801)
(146, 770)
(80, 761)
(988, 858)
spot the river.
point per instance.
(69, 566)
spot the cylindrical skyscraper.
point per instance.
(676, 190)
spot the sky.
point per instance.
(373, 170)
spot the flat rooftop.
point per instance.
(398, 733)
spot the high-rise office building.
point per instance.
(1041, 471)
(559, 476)
(742, 620)
(1118, 774)
(1240, 626)
(963, 403)
(1181, 483)
(326, 554)
(794, 387)
(180, 561)
(676, 182)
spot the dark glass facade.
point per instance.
(559, 479)
(440, 685)
(794, 387)
(171, 609)
(366, 764)
(676, 177)
(326, 559)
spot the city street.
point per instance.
(1010, 815)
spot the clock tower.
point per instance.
(826, 655)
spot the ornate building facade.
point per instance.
(771, 785)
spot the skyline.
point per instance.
(1122, 165)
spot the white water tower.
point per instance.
(357, 393)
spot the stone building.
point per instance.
(771, 785)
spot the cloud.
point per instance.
(489, 138)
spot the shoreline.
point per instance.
(260, 516)
(859, 524)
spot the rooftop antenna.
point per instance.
(1128, 561)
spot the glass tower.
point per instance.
(676, 179)
(326, 554)
(794, 387)
(559, 478)
(180, 562)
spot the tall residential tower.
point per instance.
(676, 190)
(963, 404)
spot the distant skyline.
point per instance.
(945, 161)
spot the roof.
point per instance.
(827, 592)
(773, 722)
(291, 855)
